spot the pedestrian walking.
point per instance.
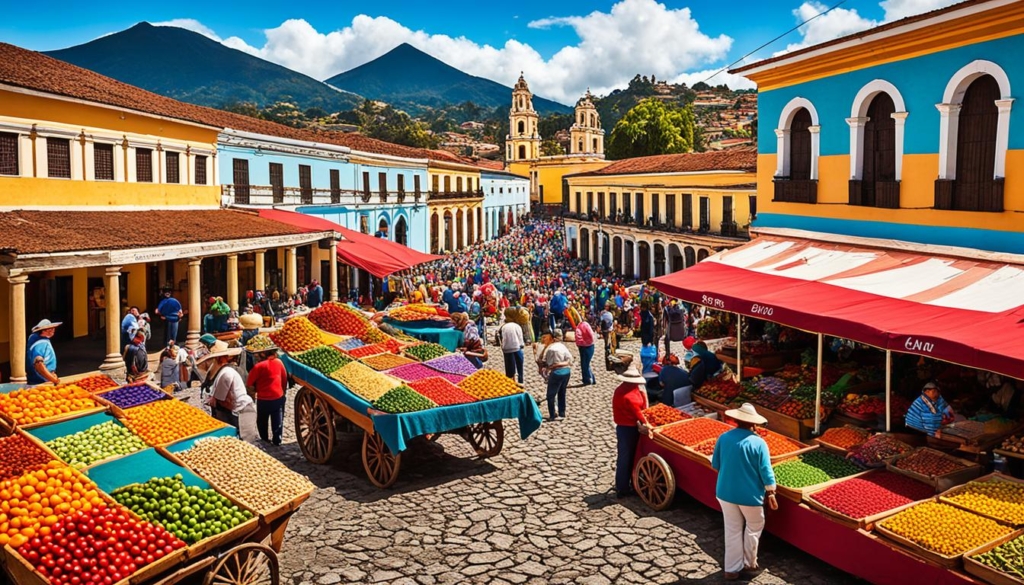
(585, 343)
(40, 356)
(745, 479)
(510, 338)
(557, 368)
(229, 401)
(131, 319)
(170, 312)
(268, 380)
(628, 404)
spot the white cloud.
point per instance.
(192, 25)
(733, 81)
(635, 36)
(897, 9)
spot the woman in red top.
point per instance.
(628, 404)
(269, 380)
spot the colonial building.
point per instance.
(652, 215)
(455, 203)
(586, 135)
(523, 140)
(506, 199)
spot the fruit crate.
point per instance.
(996, 476)
(948, 562)
(659, 438)
(987, 573)
(941, 483)
(836, 448)
(41, 434)
(795, 428)
(797, 495)
(866, 523)
(100, 396)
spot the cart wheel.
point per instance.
(381, 466)
(654, 481)
(247, 564)
(314, 426)
(486, 438)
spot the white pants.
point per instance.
(743, 527)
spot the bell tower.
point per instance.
(587, 135)
(523, 141)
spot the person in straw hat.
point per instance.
(628, 404)
(745, 478)
(229, 401)
(268, 380)
(40, 357)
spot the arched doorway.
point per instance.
(459, 231)
(879, 154)
(702, 254)
(630, 268)
(659, 259)
(595, 251)
(617, 254)
(435, 235)
(585, 244)
(675, 258)
(800, 146)
(479, 224)
(645, 261)
(382, 229)
(690, 256)
(402, 231)
(501, 223)
(470, 231)
(449, 227)
(606, 250)
(511, 218)
(976, 148)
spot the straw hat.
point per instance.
(746, 413)
(632, 376)
(220, 349)
(46, 324)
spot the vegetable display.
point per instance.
(877, 450)
(35, 501)
(813, 468)
(927, 462)
(426, 351)
(39, 403)
(720, 390)
(845, 437)
(863, 406)
(944, 529)
(168, 421)
(660, 414)
(486, 384)
(244, 472)
(417, 312)
(339, 319)
(386, 361)
(19, 455)
(130, 396)
(298, 334)
(1007, 557)
(402, 399)
(363, 381)
(418, 371)
(259, 342)
(189, 512)
(452, 364)
(877, 492)
(692, 432)
(97, 383)
(324, 359)
(1003, 500)
(777, 444)
(374, 349)
(441, 391)
(96, 443)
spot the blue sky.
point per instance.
(563, 47)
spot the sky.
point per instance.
(563, 48)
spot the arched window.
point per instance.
(593, 121)
(580, 118)
(579, 147)
(796, 172)
(877, 185)
(976, 143)
(402, 231)
(522, 127)
(522, 151)
(800, 146)
(447, 184)
(595, 145)
(458, 184)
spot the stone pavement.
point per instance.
(540, 512)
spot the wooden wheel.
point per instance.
(247, 564)
(381, 466)
(486, 438)
(654, 481)
(314, 426)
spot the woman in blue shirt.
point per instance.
(745, 476)
(929, 412)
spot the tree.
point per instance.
(315, 113)
(550, 147)
(395, 126)
(652, 127)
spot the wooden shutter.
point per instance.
(103, 161)
(144, 165)
(590, 202)
(687, 210)
(8, 153)
(641, 219)
(670, 209)
(306, 183)
(200, 170)
(58, 158)
(879, 152)
(335, 186)
(401, 184)
(579, 202)
(173, 167)
(277, 182)
(614, 207)
(705, 213)
(976, 145)
(752, 201)
(382, 185)
(366, 186)
(600, 206)
(656, 208)
(800, 146)
(416, 189)
(727, 209)
(240, 178)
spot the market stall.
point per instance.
(429, 323)
(161, 487)
(393, 390)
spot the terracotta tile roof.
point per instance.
(736, 159)
(38, 232)
(31, 70)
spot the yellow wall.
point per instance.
(551, 172)
(63, 192)
(442, 173)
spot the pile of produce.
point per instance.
(259, 342)
(19, 455)
(813, 468)
(417, 312)
(374, 349)
(298, 334)
(486, 384)
(324, 359)
(351, 343)
(706, 447)
(36, 500)
(397, 333)
(374, 335)
(807, 375)
(104, 545)
(189, 512)
(250, 476)
(830, 397)
(1007, 557)
(402, 399)
(339, 319)
(845, 437)
(928, 462)
(721, 390)
(134, 395)
(417, 371)
(1003, 500)
(692, 432)
(862, 405)
(659, 415)
(97, 383)
(98, 442)
(710, 328)
(167, 421)
(1014, 444)
(877, 450)
(452, 364)
(877, 492)
(441, 391)
(801, 408)
(426, 351)
(363, 381)
(31, 405)
(777, 444)
(767, 391)
(944, 529)
(386, 361)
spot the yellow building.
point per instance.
(648, 216)
(454, 204)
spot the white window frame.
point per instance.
(782, 152)
(90, 158)
(42, 159)
(25, 169)
(949, 112)
(859, 118)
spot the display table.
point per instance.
(444, 336)
(859, 553)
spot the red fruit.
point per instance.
(872, 494)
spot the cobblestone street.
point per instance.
(540, 512)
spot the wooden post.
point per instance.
(112, 282)
(888, 390)
(233, 281)
(261, 270)
(19, 340)
(817, 394)
(291, 276)
(195, 303)
(739, 347)
(334, 270)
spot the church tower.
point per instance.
(587, 135)
(523, 141)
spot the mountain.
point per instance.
(184, 65)
(413, 81)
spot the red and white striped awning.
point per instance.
(969, 312)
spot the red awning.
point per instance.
(377, 256)
(968, 312)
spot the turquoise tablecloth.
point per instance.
(139, 468)
(446, 336)
(398, 429)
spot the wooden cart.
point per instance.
(318, 416)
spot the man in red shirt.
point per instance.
(269, 379)
(628, 403)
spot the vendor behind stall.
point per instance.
(40, 357)
(675, 381)
(704, 365)
(929, 412)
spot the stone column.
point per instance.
(334, 271)
(636, 259)
(291, 275)
(112, 282)
(18, 336)
(261, 270)
(314, 270)
(195, 303)
(233, 281)
(440, 231)
(463, 226)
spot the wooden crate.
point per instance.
(794, 428)
(836, 448)
(949, 562)
(987, 573)
(799, 494)
(941, 483)
(711, 406)
(865, 523)
(996, 476)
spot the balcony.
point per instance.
(729, 229)
(885, 194)
(272, 195)
(795, 191)
(982, 196)
(455, 195)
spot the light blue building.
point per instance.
(506, 198)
